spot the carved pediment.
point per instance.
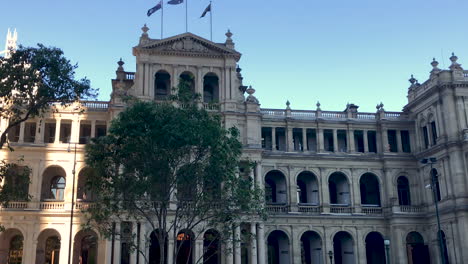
(187, 44)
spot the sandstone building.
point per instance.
(342, 184)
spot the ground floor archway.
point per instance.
(375, 248)
(278, 248)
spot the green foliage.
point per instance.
(16, 182)
(32, 79)
(156, 152)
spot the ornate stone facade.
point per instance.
(336, 182)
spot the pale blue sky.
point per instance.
(360, 51)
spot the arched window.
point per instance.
(187, 86)
(311, 248)
(155, 247)
(339, 189)
(404, 196)
(375, 249)
(210, 88)
(162, 83)
(433, 128)
(343, 248)
(15, 255)
(307, 188)
(278, 248)
(57, 188)
(418, 252)
(369, 186)
(211, 247)
(83, 191)
(275, 187)
(52, 250)
(185, 244)
(436, 185)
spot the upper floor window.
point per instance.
(425, 137)
(162, 85)
(57, 188)
(404, 196)
(433, 133)
(405, 141)
(210, 88)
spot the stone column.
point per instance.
(253, 243)
(134, 253)
(398, 140)
(40, 126)
(324, 190)
(75, 130)
(259, 175)
(21, 133)
(360, 248)
(273, 138)
(170, 250)
(305, 148)
(351, 144)
(261, 243)
(229, 252)
(57, 131)
(384, 140)
(289, 138)
(237, 245)
(198, 251)
(117, 246)
(64, 242)
(365, 141)
(335, 140)
(93, 128)
(143, 246)
(355, 192)
(378, 143)
(320, 145)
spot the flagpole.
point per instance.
(186, 15)
(162, 18)
(211, 21)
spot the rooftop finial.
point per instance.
(288, 104)
(455, 65)
(412, 80)
(229, 43)
(145, 30)
(120, 63)
(229, 34)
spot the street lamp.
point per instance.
(72, 204)
(431, 161)
(387, 250)
(330, 256)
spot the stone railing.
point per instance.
(211, 106)
(277, 208)
(309, 208)
(371, 210)
(96, 105)
(313, 115)
(80, 205)
(15, 206)
(51, 205)
(411, 209)
(341, 209)
(129, 75)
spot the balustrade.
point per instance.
(277, 208)
(341, 209)
(372, 210)
(51, 205)
(310, 209)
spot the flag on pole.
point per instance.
(207, 9)
(155, 8)
(175, 2)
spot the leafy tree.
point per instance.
(32, 79)
(175, 168)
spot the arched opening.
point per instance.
(436, 185)
(210, 88)
(339, 189)
(83, 191)
(187, 85)
(16, 182)
(155, 247)
(444, 244)
(48, 247)
(375, 248)
(53, 184)
(418, 252)
(11, 246)
(85, 247)
(246, 248)
(162, 85)
(404, 196)
(311, 248)
(211, 247)
(307, 188)
(343, 248)
(275, 188)
(185, 247)
(278, 248)
(369, 186)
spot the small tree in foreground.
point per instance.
(31, 79)
(176, 169)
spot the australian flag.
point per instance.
(175, 2)
(155, 8)
(207, 9)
